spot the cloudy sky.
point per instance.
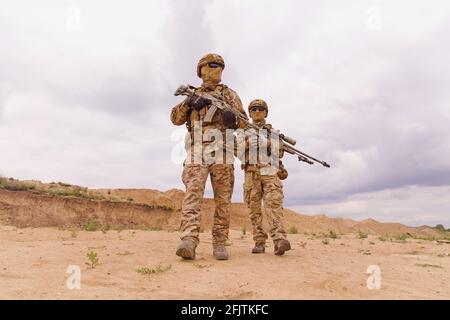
(86, 89)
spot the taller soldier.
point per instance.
(192, 112)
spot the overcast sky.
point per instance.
(86, 89)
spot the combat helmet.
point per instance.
(258, 102)
(208, 58)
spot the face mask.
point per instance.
(211, 75)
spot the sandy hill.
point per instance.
(37, 204)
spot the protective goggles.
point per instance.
(215, 65)
(257, 108)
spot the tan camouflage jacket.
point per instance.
(182, 114)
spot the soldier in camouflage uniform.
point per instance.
(191, 112)
(262, 181)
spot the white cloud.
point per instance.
(412, 205)
(91, 105)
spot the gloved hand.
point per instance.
(196, 102)
(229, 120)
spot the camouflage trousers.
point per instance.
(269, 190)
(222, 181)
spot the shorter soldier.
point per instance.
(262, 181)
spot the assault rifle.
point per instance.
(216, 103)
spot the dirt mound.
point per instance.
(37, 204)
(28, 209)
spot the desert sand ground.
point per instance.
(34, 261)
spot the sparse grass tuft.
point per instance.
(401, 237)
(63, 184)
(333, 234)
(202, 266)
(425, 265)
(126, 253)
(74, 191)
(325, 241)
(152, 270)
(293, 230)
(15, 185)
(362, 235)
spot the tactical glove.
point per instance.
(196, 102)
(229, 120)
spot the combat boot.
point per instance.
(186, 249)
(280, 246)
(220, 252)
(260, 247)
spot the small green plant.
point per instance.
(152, 270)
(382, 239)
(90, 225)
(293, 230)
(73, 234)
(92, 257)
(362, 235)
